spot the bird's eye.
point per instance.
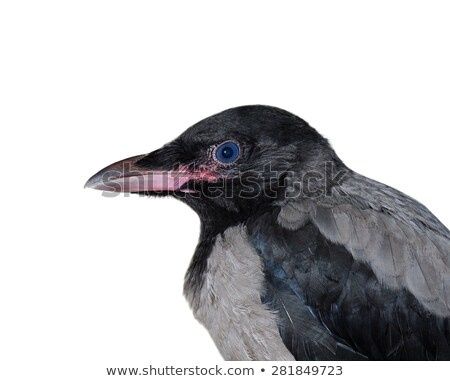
(227, 152)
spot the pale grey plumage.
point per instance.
(400, 239)
(229, 302)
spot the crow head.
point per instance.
(232, 164)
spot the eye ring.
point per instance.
(227, 152)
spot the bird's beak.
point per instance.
(130, 175)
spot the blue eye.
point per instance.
(227, 152)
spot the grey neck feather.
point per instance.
(229, 303)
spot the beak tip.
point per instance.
(100, 182)
(93, 182)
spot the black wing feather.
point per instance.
(333, 307)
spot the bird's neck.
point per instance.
(211, 226)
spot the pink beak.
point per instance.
(127, 176)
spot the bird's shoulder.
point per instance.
(405, 245)
(332, 306)
(300, 280)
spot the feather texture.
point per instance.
(404, 244)
(333, 306)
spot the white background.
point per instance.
(88, 282)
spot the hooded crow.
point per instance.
(299, 257)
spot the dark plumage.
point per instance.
(299, 257)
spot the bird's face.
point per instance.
(234, 162)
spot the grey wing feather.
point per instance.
(400, 239)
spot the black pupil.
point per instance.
(227, 152)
